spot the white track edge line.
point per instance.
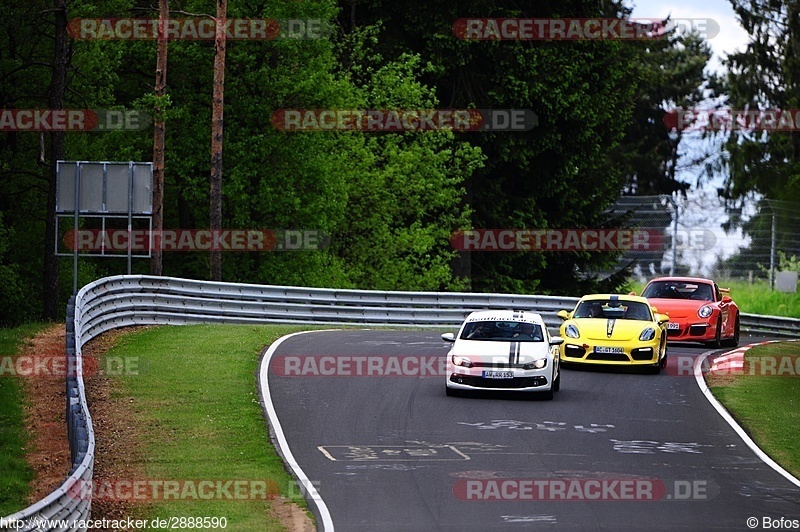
(701, 383)
(325, 515)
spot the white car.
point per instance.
(503, 350)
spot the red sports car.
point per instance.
(698, 310)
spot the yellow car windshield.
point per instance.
(608, 309)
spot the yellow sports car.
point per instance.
(614, 330)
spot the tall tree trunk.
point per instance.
(58, 82)
(793, 70)
(216, 136)
(159, 133)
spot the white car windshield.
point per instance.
(503, 331)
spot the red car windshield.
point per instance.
(679, 290)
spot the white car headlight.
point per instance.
(647, 334)
(461, 361)
(536, 364)
(572, 331)
(705, 311)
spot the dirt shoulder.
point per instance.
(48, 451)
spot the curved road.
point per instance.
(367, 420)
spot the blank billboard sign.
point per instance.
(105, 187)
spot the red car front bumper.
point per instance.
(692, 331)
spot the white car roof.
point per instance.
(506, 315)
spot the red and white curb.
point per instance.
(732, 362)
(732, 359)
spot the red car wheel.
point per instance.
(733, 341)
(717, 341)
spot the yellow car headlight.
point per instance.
(572, 331)
(647, 334)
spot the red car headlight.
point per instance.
(705, 311)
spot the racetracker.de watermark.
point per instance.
(579, 29)
(196, 29)
(558, 240)
(46, 366)
(736, 363)
(124, 523)
(414, 366)
(405, 120)
(122, 240)
(73, 120)
(140, 490)
(733, 120)
(579, 489)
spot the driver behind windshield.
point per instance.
(528, 331)
(479, 330)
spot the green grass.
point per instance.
(196, 401)
(16, 475)
(755, 298)
(768, 406)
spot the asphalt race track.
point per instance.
(366, 418)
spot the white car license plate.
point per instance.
(608, 350)
(498, 374)
(673, 325)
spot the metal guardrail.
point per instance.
(67, 502)
(772, 325)
(120, 301)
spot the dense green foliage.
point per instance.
(672, 71)
(601, 131)
(387, 201)
(766, 76)
(765, 164)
